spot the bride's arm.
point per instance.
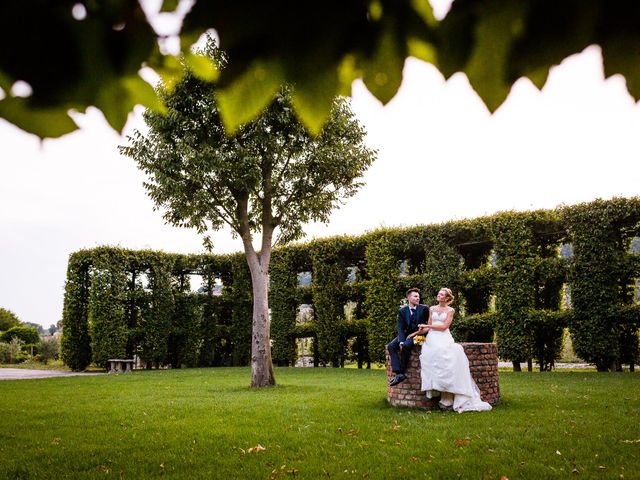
(446, 323)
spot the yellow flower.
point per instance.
(420, 339)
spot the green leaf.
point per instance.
(118, 98)
(621, 54)
(202, 67)
(313, 99)
(495, 33)
(425, 10)
(383, 73)
(170, 70)
(141, 93)
(249, 94)
(45, 122)
(539, 77)
(169, 5)
(421, 50)
(5, 82)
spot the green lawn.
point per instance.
(318, 423)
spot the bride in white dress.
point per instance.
(444, 365)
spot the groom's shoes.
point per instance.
(401, 377)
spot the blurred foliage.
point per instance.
(74, 54)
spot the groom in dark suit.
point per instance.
(400, 347)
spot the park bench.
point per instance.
(483, 363)
(119, 365)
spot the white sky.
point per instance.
(442, 156)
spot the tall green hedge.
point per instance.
(107, 305)
(505, 269)
(381, 301)
(601, 278)
(75, 344)
(284, 302)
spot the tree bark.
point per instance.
(261, 364)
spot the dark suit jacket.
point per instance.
(408, 325)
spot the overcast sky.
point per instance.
(442, 156)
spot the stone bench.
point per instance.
(483, 363)
(119, 365)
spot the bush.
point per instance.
(28, 335)
(11, 352)
(49, 349)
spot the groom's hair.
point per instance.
(411, 290)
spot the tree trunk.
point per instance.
(261, 365)
(516, 366)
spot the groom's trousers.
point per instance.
(399, 358)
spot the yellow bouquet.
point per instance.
(420, 339)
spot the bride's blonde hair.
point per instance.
(449, 293)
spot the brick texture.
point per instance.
(483, 363)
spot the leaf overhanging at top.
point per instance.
(319, 48)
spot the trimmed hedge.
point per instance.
(505, 270)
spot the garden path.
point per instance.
(23, 374)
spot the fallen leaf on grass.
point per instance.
(395, 427)
(256, 449)
(461, 442)
(631, 441)
(56, 441)
(602, 467)
(504, 477)
(558, 452)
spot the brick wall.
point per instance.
(483, 363)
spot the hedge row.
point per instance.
(506, 270)
(110, 311)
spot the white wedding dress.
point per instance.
(445, 370)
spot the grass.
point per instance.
(318, 423)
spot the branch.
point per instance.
(284, 169)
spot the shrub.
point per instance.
(11, 352)
(28, 335)
(48, 349)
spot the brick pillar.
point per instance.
(483, 363)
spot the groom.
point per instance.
(400, 347)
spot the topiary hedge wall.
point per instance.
(506, 271)
(120, 302)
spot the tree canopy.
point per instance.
(28, 335)
(8, 319)
(92, 51)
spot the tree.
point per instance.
(28, 335)
(8, 319)
(321, 47)
(270, 177)
(37, 326)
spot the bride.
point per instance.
(444, 365)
